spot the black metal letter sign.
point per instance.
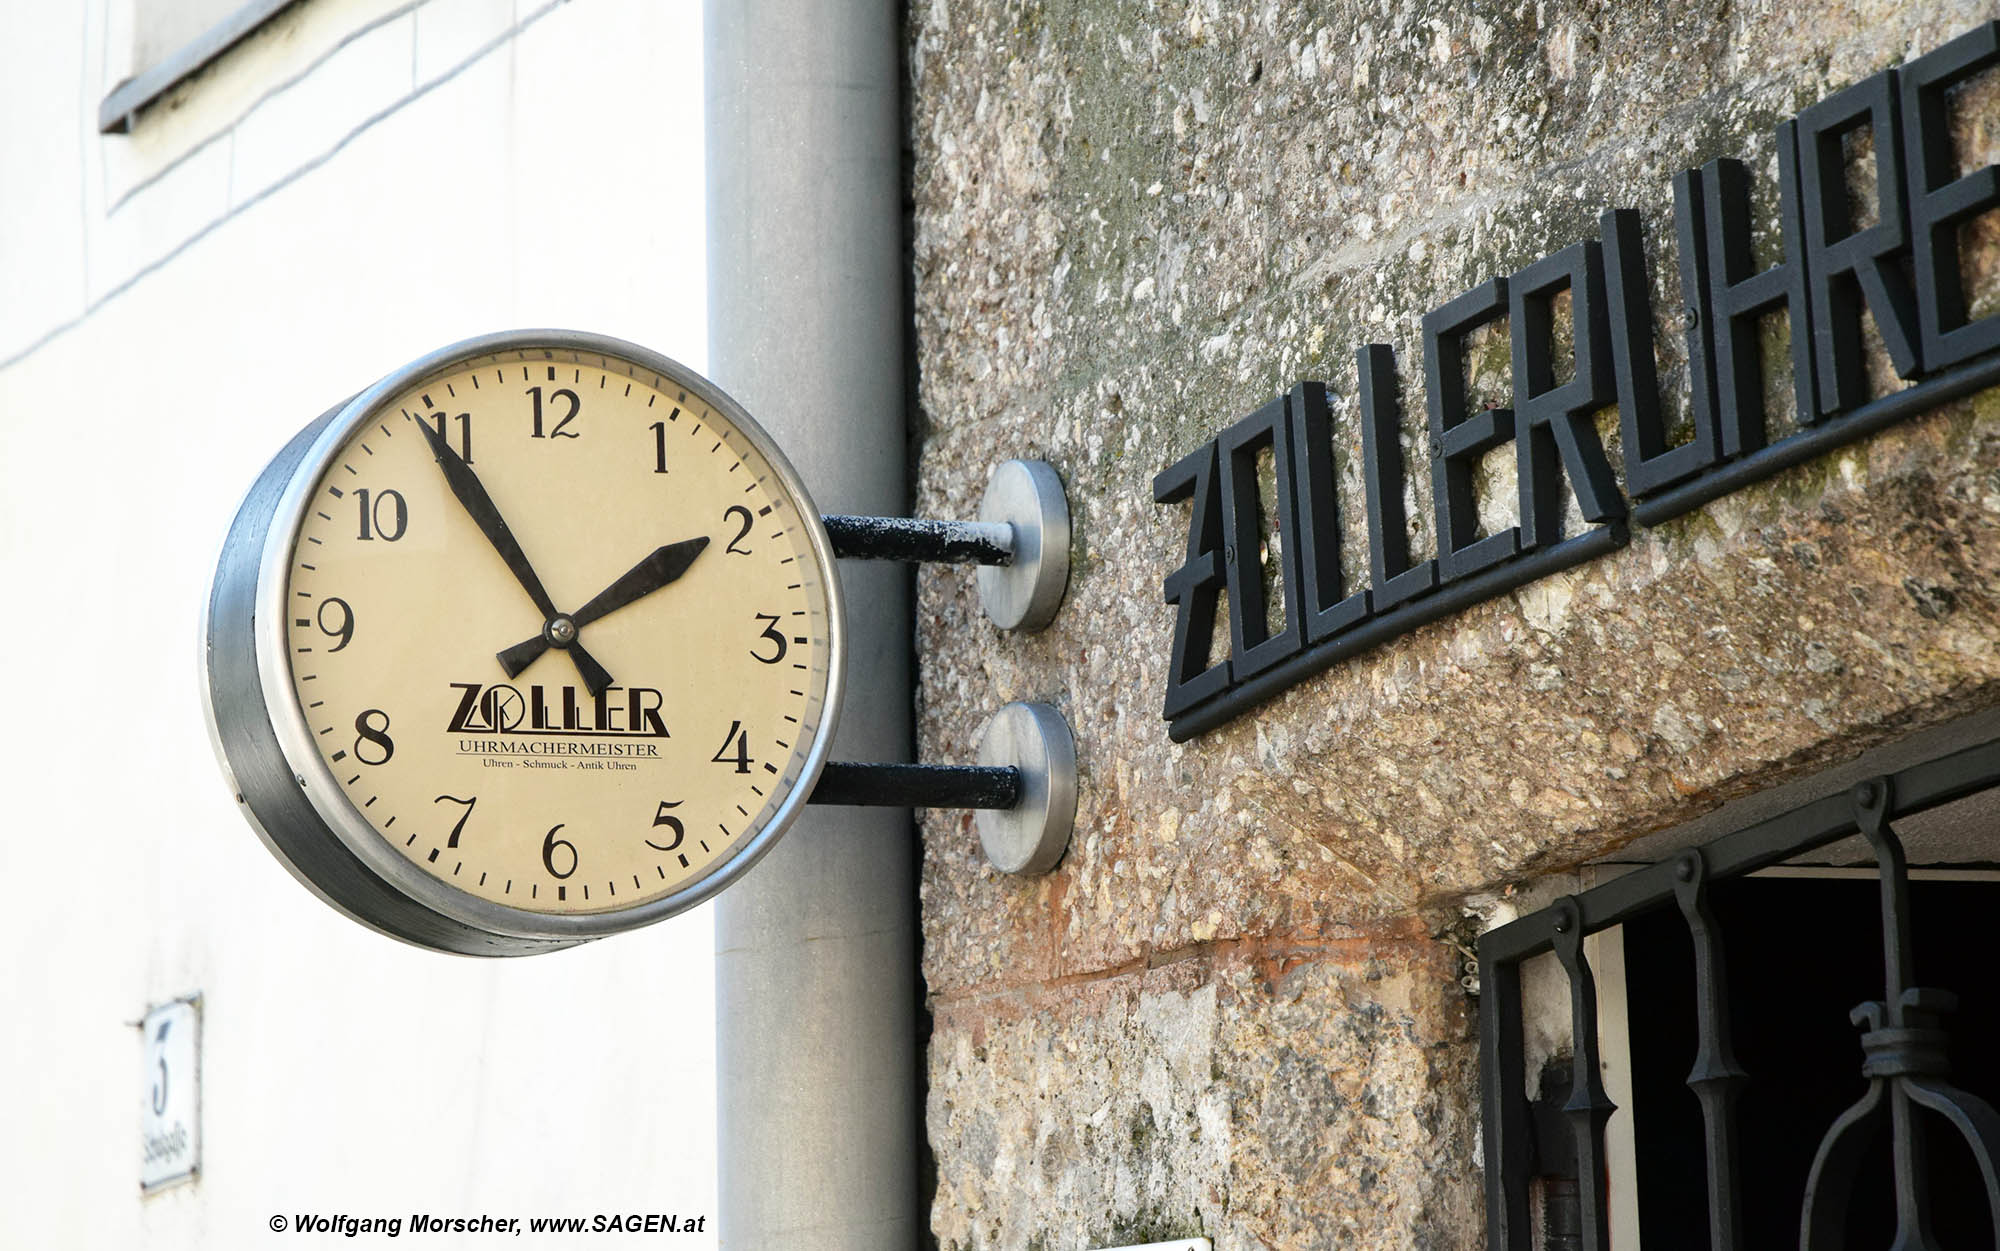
(1901, 270)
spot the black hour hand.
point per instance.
(664, 565)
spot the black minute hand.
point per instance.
(479, 506)
(664, 565)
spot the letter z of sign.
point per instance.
(1196, 586)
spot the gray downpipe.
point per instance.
(816, 973)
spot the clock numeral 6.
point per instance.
(389, 528)
(376, 734)
(549, 846)
(770, 621)
(741, 756)
(344, 631)
(661, 818)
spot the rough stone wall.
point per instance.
(1233, 1009)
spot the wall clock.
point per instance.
(535, 640)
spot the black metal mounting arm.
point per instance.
(917, 786)
(915, 540)
(1020, 542)
(1023, 788)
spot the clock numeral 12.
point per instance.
(659, 429)
(557, 432)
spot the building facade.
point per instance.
(1535, 478)
(353, 185)
(1247, 1005)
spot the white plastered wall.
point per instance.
(364, 183)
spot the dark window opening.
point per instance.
(1814, 1060)
(1801, 953)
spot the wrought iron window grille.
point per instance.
(1903, 1043)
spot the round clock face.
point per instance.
(548, 637)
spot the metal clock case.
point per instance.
(372, 595)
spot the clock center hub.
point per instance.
(561, 632)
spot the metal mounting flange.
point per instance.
(1021, 542)
(1023, 788)
(1029, 837)
(1023, 594)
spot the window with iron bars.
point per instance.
(1741, 994)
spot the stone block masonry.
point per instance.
(1233, 1009)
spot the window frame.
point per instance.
(122, 106)
(1594, 980)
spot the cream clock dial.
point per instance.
(533, 641)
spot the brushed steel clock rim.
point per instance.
(315, 777)
(260, 777)
(265, 786)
